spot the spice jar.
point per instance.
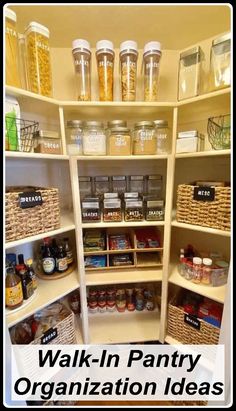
(82, 62)
(154, 185)
(118, 184)
(136, 184)
(47, 142)
(197, 270)
(11, 49)
(134, 210)
(94, 139)
(155, 210)
(144, 138)
(112, 210)
(128, 69)
(105, 64)
(162, 136)
(101, 185)
(119, 142)
(151, 62)
(23, 68)
(74, 137)
(206, 271)
(120, 300)
(220, 62)
(39, 62)
(90, 211)
(189, 73)
(85, 187)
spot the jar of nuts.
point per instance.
(112, 210)
(134, 210)
(128, 69)
(39, 61)
(105, 63)
(151, 62)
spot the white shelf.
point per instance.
(214, 293)
(25, 156)
(207, 96)
(135, 275)
(67, 224)
(47, 292)
(115, 328)
(120, 158)
(124, 224)
(210, 153)
(22, 93)
(201, 228)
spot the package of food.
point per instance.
(119, 242)
(121, 259)
(95, 261)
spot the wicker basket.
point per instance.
(25, 222)
(214, 214)
(186, 334)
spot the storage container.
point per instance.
(94, 139)
(82, 62)
(119, 142)
(74, 137)
(11, 49)
(85, 187)
(39, 59)
(151, 62)
(220, 70)
(128, 69)
(163, 137)
(118, 184)
(155, 210)
(105, 64)
(154, 185)
(30, 211)
(116, 123)
(144, 138)
(136, 184)
(91, 211)
(189, 142)
(101, 185)
(112, 210)
(134, 210)
(47, 142)
(189, 73)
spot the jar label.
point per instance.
(145, 135)
(81, 62)
(14, 295)
(11, 32)
(120, 141)
(42, 45)
(154, 64)
(106, 63)
(155, 213)
(128, 64)
(48, 265)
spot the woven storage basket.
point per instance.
(186, 334)
(214, 214)
(21, 223)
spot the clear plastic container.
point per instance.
(119, 184)
(144, 138)
(151, 62)
(128, 69)
(23, 68)
(11, 50)
(206, 270)
(105, 64)
(119, 142)
(189, 73)
(154, 185)
(82, 63)
(94, 139)
(112, 210)
(74, 137)
(101, 185)
(85, 187)
(47, 142)
(197, 270)
(91, 211)
(220, 62)
(134, 210)
(39, 59)
(155, 210)
(136, 184)
(162, 136)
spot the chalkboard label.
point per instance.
(202, 193)
(49, 335)
(30, 199)
(193, 321)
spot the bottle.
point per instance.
(151, 63)
(105, 64)
(69, 254)
(74, 301)
(27, 284)
(62, 264)
(14, 292)
(206, 271)
(197, 270)
(31, 273)
(48, 260)
(54, 248)
(181, 257)
(82, 61)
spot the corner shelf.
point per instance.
(124, 224)
(135, 275)
(201, 228)
(210, 153)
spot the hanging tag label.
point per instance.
(30, 199)
(193, 321)
(203, 193)
(49, 335)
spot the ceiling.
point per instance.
(175, 26)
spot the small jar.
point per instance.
(102, 301)
(39, 59)
(91, 211)
(206, 271)
(105, 64)
(154, 185)
(118, 184)
(120, 300)
(130, 299)
(134, 210)
(136, 184)
(220, 62)
(128, 69)
(139, 302)
(82, 61)
(151, 62)
(112, 210)
(74, 301)
(144, 138)
(23, 68)
(74, 137)
(94, 139)
(155, 210)
(101, 185)
(189, 73)
(11, 49)
(85, 187)
(197, 270)
(162, 136)
(119, 142)
(93, 301)
(47, 142)
(111, 300)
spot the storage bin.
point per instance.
(30, 211)
(214, 214)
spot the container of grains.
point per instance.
(91, 211)
(105, 64)
(47, 142)
(134, 210)
(82, 62)
(162, 136)
(128, 69)
(39, 59)
(144, 138)
(136, 184)
(94, 139)
(74, 137)
(151, 64)
(112, 210)
(11, 49)
(154, 185)
(119, 142)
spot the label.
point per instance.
(42, 45)
(152, 65)
(203, 193)
(128, 64)
(155, 213)
(14, 295)
(49, 335)
(120, 141)
(105, 63)
(11, 32)
(29, 289)
(81, 62)
(193, 321)
(62, 264)
(48, 265)
(30, 199)
(145, 135)
(69, 257)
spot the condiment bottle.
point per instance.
(74, 301)
(105, 64)
(82, 61)
(14, 292)
(130, 299)
(111, 300)
(93, 301)
(120, 300)
(69, 253)
(102, 301)
(151, 62)
(197, 270)
(31, 273)
(26, 281)
(62, 264)
(48, 260)
(128, 69)
(206, 271)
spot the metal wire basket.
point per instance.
(218, 129)
(20, 134)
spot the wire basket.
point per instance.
(20, 134)
(218, 129)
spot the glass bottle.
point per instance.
(54, 248)
(206, 271)
(68, 250)
(220, 62)
(48, 260)
(162, 136)
(189, 73)
(31, 273)
(74, 301)
(128, 69)
(74, 131)
(94, 139)
(62, 264)
(120, 300)
(26, 281)
(82, 61)
(151, 62)
(14, 292)
(11, 49)
(105, 64)
(197, 270)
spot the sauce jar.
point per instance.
(151, 62)
(94, 139)
(120, 300)
(134, 210)
(144, 138)
(90, 211)
(128, 69)
(112, 210)
(119, 142)
(11, 48)
(111, 300)
(93, 301)
(220, 62)
(74, 137)
(102, 301)
(82, 62)
(105, 64)
(130, 299)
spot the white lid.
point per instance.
(128, 45)
(197, 260)
(207, 261)
(80, 44)
(152, 46)
(39, 28)
(104, 44)
(10, 14)
(182, 250)
(21, 36)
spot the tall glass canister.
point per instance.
(128, 69)
(151, 63)
(82, 62)
(105, 64)
(11, 49)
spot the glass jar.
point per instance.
(197, 270)
(154, 185)
(128, 69)
(111, 300)
(23, 69)
(136, 184)
(47, 142)
(144, 138)
(39, 60)
(120, 300)
(189, 73)
(119, 142)
(82, 62)
(162, 136)
(206, 271)
(101, 185)
(112, 210)
(102, 301)
(74, 137)
(220, 62)
(11, 50)
(116, 123)
(85, 187)
(155, 210)
(94, 139)
(91, 211)
(151, 62)
(134, 210)
(118, 184)
(93, 301)
(105, 64)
